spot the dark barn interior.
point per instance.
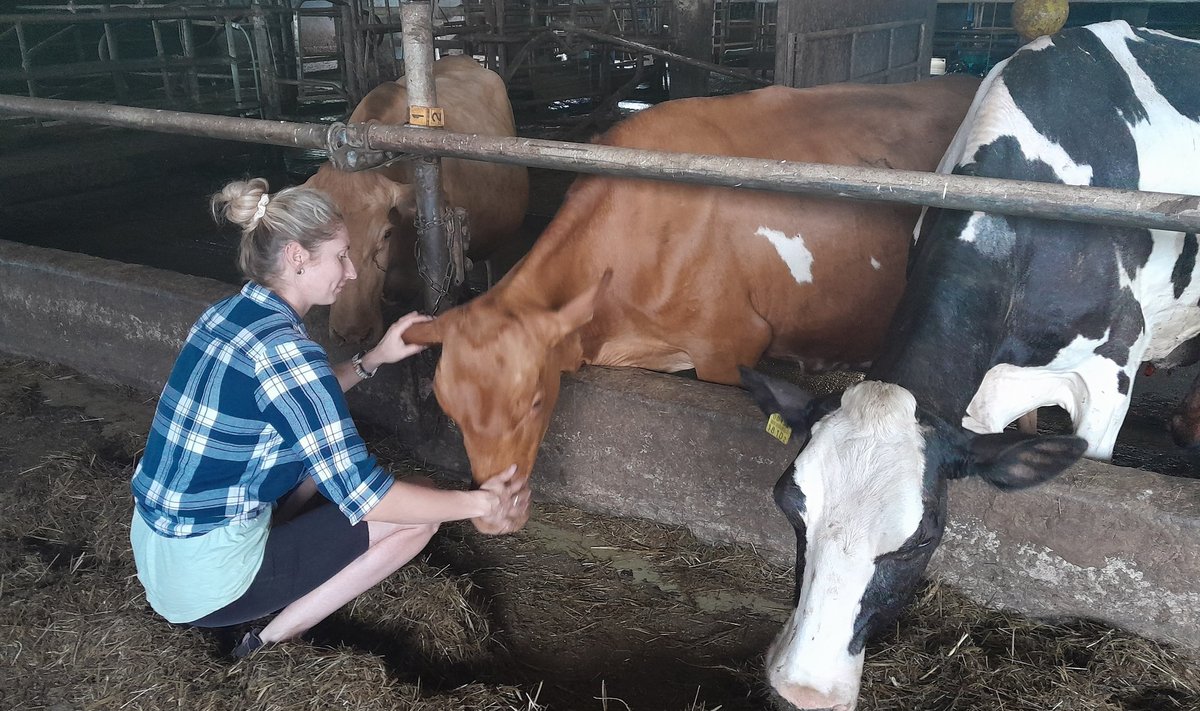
(581, 610)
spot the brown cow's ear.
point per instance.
(403, 195)
(578, 311)
(425, 333)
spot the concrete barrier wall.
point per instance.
(1104, 542)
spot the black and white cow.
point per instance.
(1001, 315)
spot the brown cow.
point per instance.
(701, 277)
(379, 208)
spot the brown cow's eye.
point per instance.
(537, 403)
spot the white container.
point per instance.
(937, 66)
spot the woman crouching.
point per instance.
(253, 422)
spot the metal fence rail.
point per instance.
(357, 144)
(146, 55)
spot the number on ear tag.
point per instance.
(778, 429)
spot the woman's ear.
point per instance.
(295, 256)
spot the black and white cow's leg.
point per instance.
(1100, 413)
(1011, 393)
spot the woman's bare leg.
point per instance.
(391, 547)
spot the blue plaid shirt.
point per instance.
(251, 408)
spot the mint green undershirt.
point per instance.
(188, 578)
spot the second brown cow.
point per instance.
(701, 277)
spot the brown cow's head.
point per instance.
(378, 213)
(499, 372)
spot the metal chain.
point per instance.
(442, 288)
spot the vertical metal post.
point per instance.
(114, 56)
(271, 107)
(395, 66)
(160, 52)
(300, 95)
(694, 32)
(433, 260)
(234, 75)
(26, 63)
(189, 54)
(80, 55)
(501, 48)
(352, 60)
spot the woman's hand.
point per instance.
(507, 503)
(392, 348)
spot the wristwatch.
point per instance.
(359, 370)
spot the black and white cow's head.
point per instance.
(867, 497)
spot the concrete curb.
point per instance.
(1103, 542)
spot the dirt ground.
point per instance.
(574, 612)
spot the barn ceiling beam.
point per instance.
(1127, 208)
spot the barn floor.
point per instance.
(575, 612)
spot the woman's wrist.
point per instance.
(481, 503)
(366, 364)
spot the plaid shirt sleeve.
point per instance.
(300, 396)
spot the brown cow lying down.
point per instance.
(379, 208)
(701, 277)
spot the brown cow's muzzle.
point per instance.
(514, 517)
(511, 523)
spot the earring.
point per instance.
(300, 270)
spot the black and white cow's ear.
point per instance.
(792, 402)
(1014, 460)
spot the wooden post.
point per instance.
(694, 28)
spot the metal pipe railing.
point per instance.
(1128, 208)
(434, 257)
(183, 13)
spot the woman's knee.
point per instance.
(427, 530)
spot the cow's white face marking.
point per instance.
(862, 476)
(875, 264)
(792, 251)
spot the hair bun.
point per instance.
(242, 202)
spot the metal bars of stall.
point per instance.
(184, 67)
(1053, 201)
(111, 61)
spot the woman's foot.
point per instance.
(250, 642)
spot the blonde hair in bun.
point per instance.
(303, 215)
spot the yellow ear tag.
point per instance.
(778, 429)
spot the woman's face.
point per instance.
(328, 268)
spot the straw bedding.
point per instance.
(575, 612)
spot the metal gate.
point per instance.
(873, 41)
